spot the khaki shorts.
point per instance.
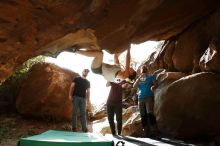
(97, 70)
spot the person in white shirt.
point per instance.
(109, 72)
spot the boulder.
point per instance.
(188, 107)
(45, 93)
(133, 126)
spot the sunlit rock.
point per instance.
(132, 125)
(45, 93)
(99, 113)
(127, 113)
(210, 61)
(101, 126)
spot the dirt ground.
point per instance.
(13, 127)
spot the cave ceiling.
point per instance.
(26, 26)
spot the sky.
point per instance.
(99, 91)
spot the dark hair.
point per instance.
(132, 76)
(86, 70)
(144, 69)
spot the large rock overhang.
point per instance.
(27, 26)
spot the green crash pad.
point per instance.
(64, 138)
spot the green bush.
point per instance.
(9, 89)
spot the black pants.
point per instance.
(111, 111)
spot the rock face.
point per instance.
(189, 106)
(183, 53)
(28, 26)
(187, 99)
(45, 93)
(131, 122)
(210, 61)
